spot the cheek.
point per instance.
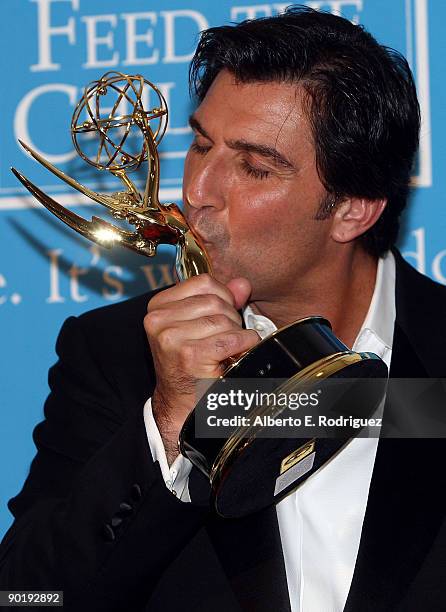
(260, 212)
(276, 227)
(251, 201)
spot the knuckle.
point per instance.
(216, 321)
(151, 321)
(156, 300)
(214, 302)
(151, 304)
(206, 281)
(166, 338)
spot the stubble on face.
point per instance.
(211, 233)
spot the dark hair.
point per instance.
(362, 103)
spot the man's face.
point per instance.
(251, 189)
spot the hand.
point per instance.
(192, 329)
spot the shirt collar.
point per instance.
(263, 326)
(380, 317)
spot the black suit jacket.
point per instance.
(95, 519)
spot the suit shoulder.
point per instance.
(112, 334)
(113, 338)
(417, 284)
(427, 283)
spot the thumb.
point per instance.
(241, 290)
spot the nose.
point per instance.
(202, 181)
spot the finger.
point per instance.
(194, 307)
(172, 338)
(198, 285)
(241, 289)
(219, 347)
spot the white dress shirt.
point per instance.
(320, 523)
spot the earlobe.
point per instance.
(354, 217)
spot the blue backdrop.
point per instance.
(50, 50)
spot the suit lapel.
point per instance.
(229, 566)
(250, 552)
(195, 581)
(403, 513)
(401, 516)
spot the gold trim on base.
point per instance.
(319, 370)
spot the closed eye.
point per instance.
(257, 173)
(248, 169)
(197, 148)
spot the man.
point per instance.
(305, 135)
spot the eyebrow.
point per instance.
(244, 145)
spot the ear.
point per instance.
(354, 216)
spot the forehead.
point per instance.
(269, 113)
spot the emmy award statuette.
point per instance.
(246, 471)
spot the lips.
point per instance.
(209, 231)
(196, 232)
(198, 235)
